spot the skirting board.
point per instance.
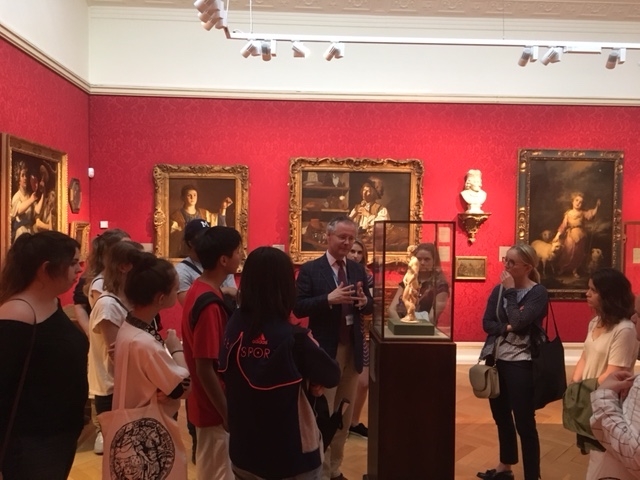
(468, 352)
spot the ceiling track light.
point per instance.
(529, 55)
(268, 49)
(617, 55)
(299, 50)
(553, 55)
(212, 14)
(335, 50)
(251, 48)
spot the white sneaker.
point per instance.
(98, 446)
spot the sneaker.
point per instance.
(360, 430)
(98, 446)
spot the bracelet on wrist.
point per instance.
(175, 351)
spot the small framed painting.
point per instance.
(79, 231)
(471, 268)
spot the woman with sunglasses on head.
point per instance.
(39, 433)
(516, 306)
(611, 346)
(358, 254)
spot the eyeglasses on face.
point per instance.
(510, 263)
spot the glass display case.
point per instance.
(631, 251)
(413, 296)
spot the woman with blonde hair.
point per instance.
(108, 314)
(516, 305)
(94, 276)
(359, 254)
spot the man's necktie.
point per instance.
(344, 335)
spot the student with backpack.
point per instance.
(190, 268)
(204, 319)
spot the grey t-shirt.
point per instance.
(187, 275)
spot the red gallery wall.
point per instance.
(38, 105)
(131, 134)
(125, 136)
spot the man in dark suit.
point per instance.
(332, 293)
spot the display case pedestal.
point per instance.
(412, 398)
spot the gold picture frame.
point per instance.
(323, 188)
(471, 268)
(29, 170)
(214, 184)
(569, 210)
(80, 232)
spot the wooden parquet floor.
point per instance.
(476, 444)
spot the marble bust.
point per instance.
(473, 194)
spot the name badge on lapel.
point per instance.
(349, 319)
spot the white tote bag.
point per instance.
(142, 443)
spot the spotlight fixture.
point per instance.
(335, 50)
(252, 47)
(268, 48)
(529, 54)
(617, 55)
(299, 50)
(202, 5)
(553, 55)
(214, 16)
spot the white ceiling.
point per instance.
(628, 11)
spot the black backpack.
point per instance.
(204, 300)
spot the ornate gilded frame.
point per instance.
(37, 159)
(80, 231)
(213, 183)
(571, 242)
(323, 188)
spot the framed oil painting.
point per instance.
(75, 195)
(365, 189)
(80, 232)
(569, 210)
(471, 268)
(33, 190)
(216, 193)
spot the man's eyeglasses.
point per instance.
(510, 263)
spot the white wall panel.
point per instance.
(167, 49)
(58, 28)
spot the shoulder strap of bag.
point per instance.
(204, 300)
(16, 401)
(192, 266)
(499, 339)
(122, 376)
(116, 299)
(546, 326)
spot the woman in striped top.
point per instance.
(514, 305)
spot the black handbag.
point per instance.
(549, 374)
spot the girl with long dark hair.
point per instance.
(266, 362)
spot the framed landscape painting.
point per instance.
(33, 190)
(471, 268)
(366, 190)
(569, 210)
(215, 193)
